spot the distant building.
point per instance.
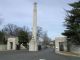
(52, 44)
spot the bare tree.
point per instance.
(39, 32)
(46, 39)
(10, 29)
(22, 33)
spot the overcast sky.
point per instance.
(51, 14)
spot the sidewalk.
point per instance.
(69, 54)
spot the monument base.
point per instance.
(33, 45)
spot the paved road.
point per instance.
(47, 54)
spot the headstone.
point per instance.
(22, 47)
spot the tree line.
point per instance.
(23, 33)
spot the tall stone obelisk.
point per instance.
(33, 43)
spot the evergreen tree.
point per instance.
(72, 23)
(23, 38)
(2, 38)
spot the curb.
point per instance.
(65, 54)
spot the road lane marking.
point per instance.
(42, 59)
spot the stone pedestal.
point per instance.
(33, 45)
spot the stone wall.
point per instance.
(75, 49)
(3, 47)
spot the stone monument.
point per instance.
(11, 43)
(33, 46)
